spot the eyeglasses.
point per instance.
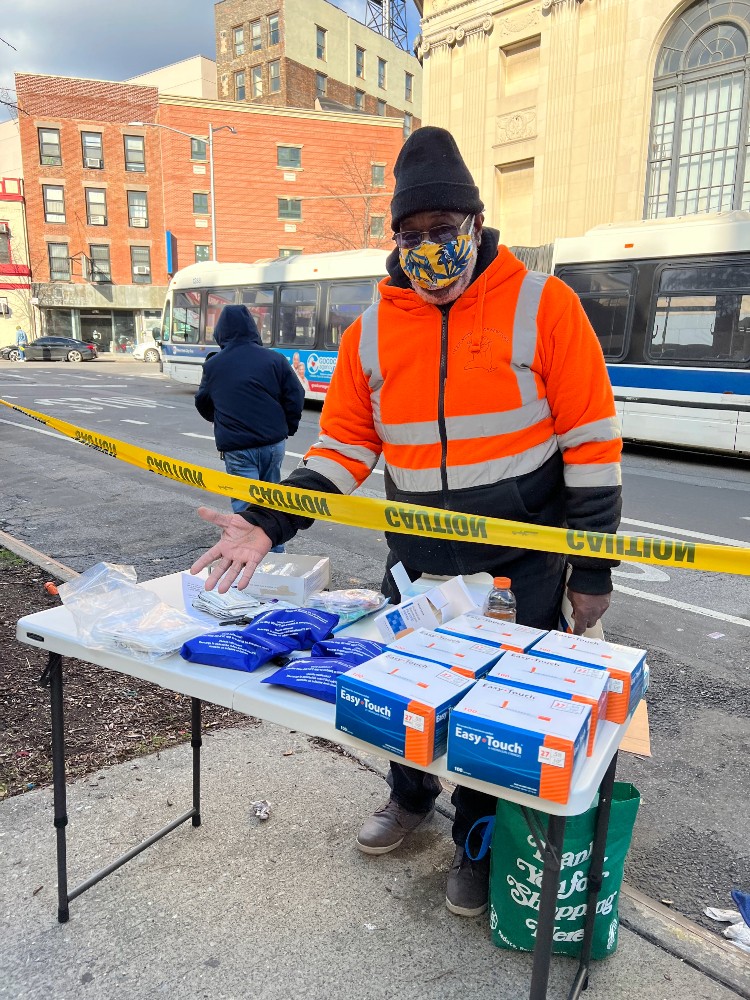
(410, 238)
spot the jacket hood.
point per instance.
(236, 326)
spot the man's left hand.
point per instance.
(587, 609)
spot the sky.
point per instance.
(114, 39)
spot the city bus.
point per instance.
(669, 300)
(301, 305)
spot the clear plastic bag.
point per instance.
(112, 612)
(349, 605)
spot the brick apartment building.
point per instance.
(15, 274)
(290, 53)
(102, 194)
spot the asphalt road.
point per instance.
(691, 844)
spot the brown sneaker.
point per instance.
(385, 830)
(468, 885)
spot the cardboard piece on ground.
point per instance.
(637, 738)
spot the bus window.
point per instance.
(607, 297)
(346, 301)
(186, 317)
(298, 316)
(259, 302)
(165, 321)
(702, 314)
(216, 299)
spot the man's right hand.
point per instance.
(238, 552)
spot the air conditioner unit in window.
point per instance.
(140, 223)
(4, 228)
(55, 217)
(141, 269)
(92, 163)
(98, 220)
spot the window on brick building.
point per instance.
(289, 251)
(238, 40)
(135, 153)
(381, 108)
(202, 252)
(197, 149)
(381, 73)
(5, 256)
(140, 265)
(359, 62)
(321, 81)
(4, 307)
(408, 86)
(274, 29)
(274, 76)
(290, 208)
(256, 76)
(359, 100)
(93, 150)
(100, 265)
(289, 157)
(378, 175)
(256, 36)
(138, 209)
(239, 86)
(59, 261)
(320, 42)
(407, 125)
(200, 203)
(49, 147)
(96, 206)
(377, 227)
(54, 203)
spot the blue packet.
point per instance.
(226, 649)
(315, 676)
(288, 629)
(355, 651)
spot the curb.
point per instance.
(24, 551)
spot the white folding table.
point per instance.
(54, 630)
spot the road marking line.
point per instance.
(719, 539)
(207, 437)
(143, 423)
(38, 430)
(377, 472)
(682, 606)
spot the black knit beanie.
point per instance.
(431, 176)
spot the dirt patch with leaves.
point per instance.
(109, 717)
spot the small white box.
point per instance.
(506, 635)
(422, 610)
(290, 578)
(472, 659)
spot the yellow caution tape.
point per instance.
(409, 518)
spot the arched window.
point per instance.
(698, 148)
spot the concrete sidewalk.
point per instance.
(282, 910)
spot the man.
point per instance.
(484, 388)
(21, 342)
(253, 398)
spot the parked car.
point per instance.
(149, 350)
(52, 349)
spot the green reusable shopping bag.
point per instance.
(516, 877)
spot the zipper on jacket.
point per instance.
(444, 311)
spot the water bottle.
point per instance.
(500, 602)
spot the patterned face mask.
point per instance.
(437, 265)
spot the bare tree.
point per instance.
(7, 96)
(352, 203)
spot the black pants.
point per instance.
(538, 593)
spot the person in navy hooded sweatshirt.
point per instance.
(253, 398)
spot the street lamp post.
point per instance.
(201, 138)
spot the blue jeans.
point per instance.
(255, 463)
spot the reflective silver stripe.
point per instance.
(479, 474)
(500, 422)
(338, 475)
(525, 333)
(369, 360)
(356, 451)
(596, 474)
(607, 429)
(418, 432)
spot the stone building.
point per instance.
(286, 53)
(573, 113)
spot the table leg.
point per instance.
(581, 981)
(545, 928)
(54, 671)
(196, 742)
